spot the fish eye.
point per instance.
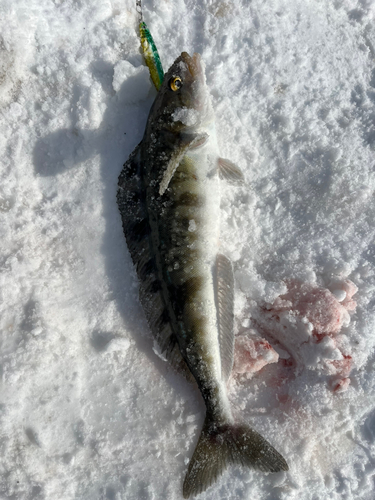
(175, 83)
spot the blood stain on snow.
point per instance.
(306, 323)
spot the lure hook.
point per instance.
(138, 7)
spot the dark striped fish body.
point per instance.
(189, 231)
(169, 198)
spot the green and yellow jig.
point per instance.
(150, 52)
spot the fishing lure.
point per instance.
(150, 52)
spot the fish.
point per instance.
(169, 200)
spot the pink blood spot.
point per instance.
(342, 367)
(288, 363)
(283, 398)
(252, 353)
(318, 305)
(340, 385)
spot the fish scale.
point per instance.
(190, 281)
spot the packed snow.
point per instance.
(88, 409)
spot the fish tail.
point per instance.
(219, 446)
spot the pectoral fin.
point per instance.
(187, 143)
(229, 171)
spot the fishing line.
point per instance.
(149, 50)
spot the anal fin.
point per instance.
(225, 304)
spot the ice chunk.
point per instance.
(252, 353)
(345, 289)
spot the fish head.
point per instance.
(183, 102)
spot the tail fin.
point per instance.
(228, 444)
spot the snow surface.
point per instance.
(88, 410)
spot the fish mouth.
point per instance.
(198, 88)
(194, 65)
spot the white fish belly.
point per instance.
(207, 229)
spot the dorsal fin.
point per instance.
(225, 303)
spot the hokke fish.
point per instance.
(169, 198)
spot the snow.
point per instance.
(131, 84)
(187, 116)
(88, 410)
